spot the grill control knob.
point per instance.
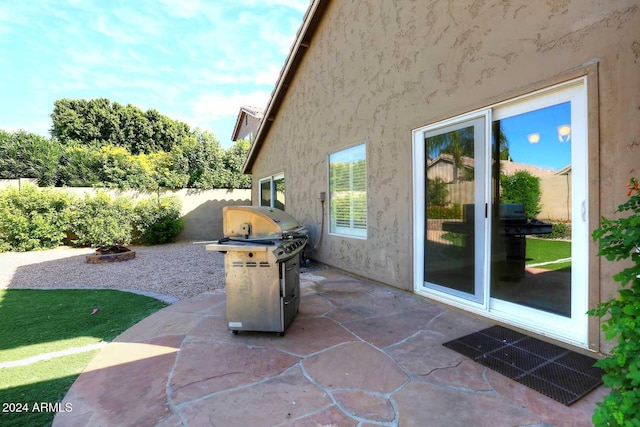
(287, 249)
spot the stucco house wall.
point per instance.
(375, 70)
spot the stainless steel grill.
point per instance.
(263, 248)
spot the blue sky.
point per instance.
(549, 152)
(196, 61)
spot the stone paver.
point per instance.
(357, 354)
(441, 406)
(355, 365)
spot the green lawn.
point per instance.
(41, 321)
(538, 250)
(544, 250)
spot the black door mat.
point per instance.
(556, 372)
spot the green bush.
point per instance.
(157, 221)
(619, 239)
(559, 230)
(31, 218)
(524, 188)
(99, 220)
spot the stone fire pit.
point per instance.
(112, 253)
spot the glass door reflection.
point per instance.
(531, 221)
(451, 236)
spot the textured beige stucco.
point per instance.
(375, 70)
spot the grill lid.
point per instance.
(258, 223)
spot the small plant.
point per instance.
(619, 239)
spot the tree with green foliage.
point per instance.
(101, 122)
(79, 166)
(457, 144)
(233, 161)
(204, 157)
(100, 143)
(27, 155)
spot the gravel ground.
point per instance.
(177, 270)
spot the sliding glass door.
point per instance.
(500, 202)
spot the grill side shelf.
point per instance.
(227, 247)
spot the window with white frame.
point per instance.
(348, 192)
(272, 191)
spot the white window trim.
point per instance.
(347, 231)
(272, 188)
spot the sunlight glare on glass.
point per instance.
(564, 133)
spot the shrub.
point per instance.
(618, 240)
(559, 230)
(157, 221)
(31, 218)
(99, 220)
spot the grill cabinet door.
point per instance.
(290, 274)
(253, 292)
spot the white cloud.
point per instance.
(146, 21)
(299, 5)
(268, 75)
(212, 105)
(108, 28)
(38, 127)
